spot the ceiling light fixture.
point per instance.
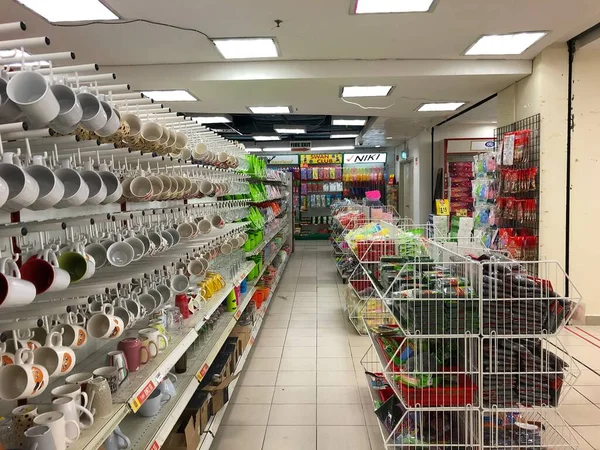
(289, 129)
(211, 119)
(176, 95)
(392, 6)
(277, 149)
(349, 122)
(344, 136)
(366, 91)
(270, 109)
(389, 138)
(247, 48)
(505, 44)
(336, 148)
(441, 106)
(70, 10)
(264, 138)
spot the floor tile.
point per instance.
(303, 324)
(242, 414)
(342, 437)
(589, 437)
(308, 378)
(334, 352)
(272, 332)
(294, 341)
(266, 352)
(272, 341)
(300, 352)
(334, 378)
(375, 437)
(342, 395)
(334, 364)
(253, 394)
(290, 438)
(258, 378)
(298, 364)
(254, 364)
(293, 414)
(302, 332)
(576, 415)
(234, 437)
(295, 394)
(331, 414)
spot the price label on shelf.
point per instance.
(139, 400)
(251, 341)
(202, 372)
(462, 213)
(155, 446)
(238, 314)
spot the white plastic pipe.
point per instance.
(12, 27)
(31, 134)
(10, 127)
(67, 69)
(112, 87)
(135, 101)
(91, 78)
(26, 42)
(40, 57)
(130, 96)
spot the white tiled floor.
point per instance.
(302, 387)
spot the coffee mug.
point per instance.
(14, 291)
(43, 270)
(94, 117)
(63, 432)
(135, 128)
(23, 190)
(23, 420)
(217, 221)
(151, 348)
(72, 410)
(73, 335)
(179, 283)
(120, 254)
(39, 437)
(113, 121)
(96, 188)
(72, 390)
(117, 441)
(31, 92)
(6, 357)
(80, 379)
(114, 190)
(9, 111)
(167, 385)
(98, 252)
(54, 356)
(117, 359)
(153, 403)
(187, 230)
(111, 374)
(98, 391)
(51, 189)
(76, 189)
(77, 262)
(23, 379)
(70, 112)
(155, 336)
(105, 325)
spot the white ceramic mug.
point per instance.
(73, 335)
(9, 111)
(63, 432)
(23, 379)
(98, 252)
(181, 141)
(217, 221)
(114, 190)
(14, 291)
(51, 189)
(31, 92)
(70, 112)
(120, 254)
(113, 121)
(23, 190)
(138, 247)
(72, 410)
(135, 128)
(45, 273)
(54, 356)
(96, 188)
(154, 336)
(76, 189)
(179, 282)
(94, 117)
(105, 325)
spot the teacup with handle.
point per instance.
(63, 432)
(74, 334)
(54, 356)
(72, 410)
(23, 189)
(105, 325)
(44, 271)
(24, 379)
(51, 189)
(14, 291)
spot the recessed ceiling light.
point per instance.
(366, 91)
(70, 10)
(17, 54)
(211, 119)
(389, 138)
(289, 129)
(177, 95)
(338, 147)
(505, 44)
(392, 6)
(349, 122)
(442, 106)
(247, 48)
(344, 136)
(270, 109)
(378, 146)
(277, 149)
(266, 138)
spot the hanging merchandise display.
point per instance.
(139, 291)
(364, 172)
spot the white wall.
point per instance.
(419, 149)
(585, 172)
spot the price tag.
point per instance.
(138, 401)
(462, 213)
(202, 372)
(238, 314)
(155, 446)
(442, 207)
(251, 341)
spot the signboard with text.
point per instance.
(326, 158)
(283, 160)
(364, 158)
(301, 146)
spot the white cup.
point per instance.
(51, 189)
(120, 254)
(207, 188)
(23, 379)
(154, 336)
(98, 252)
(76, 189)
(105, 325)
(179, 283)
(58, 359)
(73, 411)
(63, 432)
(204, 226)
(13, 290)
(226, 249)
(71, 111)
(73, 335)
(138, 247)
(157, 186)
(151, 133)
(114, 190)
(181, 141)
(141, 188)
(217, 221)
(185, 154)
(9, 111)
(73, 390)
(23, 190)
(113, 121)
(31, 92)
(186, 230)
(96, 187)
(196, 268)
(165, 137)
(45, 273)
(94, 117)
(135, 127)
(199, 151)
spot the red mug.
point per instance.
(183, 303)
(133, 350)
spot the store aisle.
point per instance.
(303, 387)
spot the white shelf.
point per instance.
(214, 422)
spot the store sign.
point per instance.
(483, 146)
(364, 158)
(283, 160)
(301, 146)
(326, 158)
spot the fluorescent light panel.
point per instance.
(338, 147)
(366, 91)
(247, 48)
(270, 109)
(344, 136)
(266, 138)
(178, 95)
(70, 10)
(289, 129)
(505, 44)
(392, 6)
(211, 119)
(441, 106)
(349, 122)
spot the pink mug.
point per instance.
(133, 350)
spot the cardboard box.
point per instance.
(219, 394)
(242, 332)
(190, 438)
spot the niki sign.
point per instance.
(364, 158)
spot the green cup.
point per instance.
(75, 264)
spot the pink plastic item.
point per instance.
(373, 195)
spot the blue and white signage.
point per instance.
(364, 158)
